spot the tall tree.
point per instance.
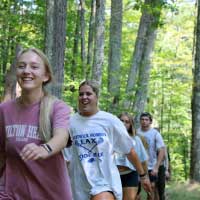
(55, 41)
(99, 41)
(115, 51)
(83, 53)
(91, 37)
(149, 22)
(75, 43)
(195, 152)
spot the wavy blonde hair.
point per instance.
(46, 105)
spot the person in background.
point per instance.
(33, 131)
(167, 165)
(163, 176)
(96, 135)
(156, 149)
(128, 174)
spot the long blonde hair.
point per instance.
(46, 104)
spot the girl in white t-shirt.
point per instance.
(96, 135)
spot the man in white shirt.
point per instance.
(156, 149)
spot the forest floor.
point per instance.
(184, 191)
(181, 191)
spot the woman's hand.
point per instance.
(154, 171)
(145, 182)
(167, 175)
(33, 152)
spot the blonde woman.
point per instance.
(128, 174)
(33, 130)
(96, 136)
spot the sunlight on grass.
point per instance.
(180, 191)
(186, 191)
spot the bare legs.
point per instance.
(103, 196)
(130, 193)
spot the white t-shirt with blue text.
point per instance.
(94, 140)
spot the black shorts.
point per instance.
(130, 180)
(152, 178)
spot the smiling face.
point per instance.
(87, 101)
(31, 71)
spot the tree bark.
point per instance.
(99, 41)
(195, 150)
(115, 52)
(11, 89)
(49, 32)
(143, 79)
(91, 38)
(55, 41)
(75, 45)
(83, 54)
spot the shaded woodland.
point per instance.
(142, 53)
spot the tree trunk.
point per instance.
(141, 55)
(91, 38)
(143, 79)
(195, 150)
(141, 64)
(55, 41)
(115, 52)
(11, 90)
(83, 54)
(99, 41)
(137, 56)
(75, 45)
(49, 32)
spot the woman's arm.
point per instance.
(145, 166)
(54, 145)
(59, 126)
(59, 140)
(133, 158)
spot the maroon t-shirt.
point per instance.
(31, 180)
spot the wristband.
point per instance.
(142, 175)
(47, 147)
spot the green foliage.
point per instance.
(170, 86)
(23, 22)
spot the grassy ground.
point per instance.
(183, 191)
(177, 191)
